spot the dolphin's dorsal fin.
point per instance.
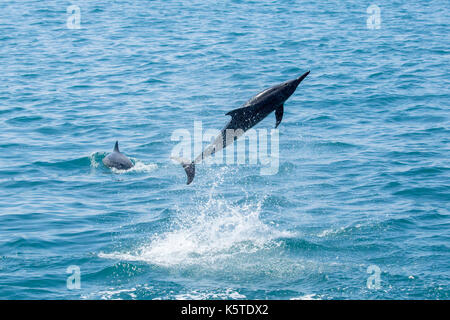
(116, 146)
(279, 115)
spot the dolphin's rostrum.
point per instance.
(244, 118)
(117, 159)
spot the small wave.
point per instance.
(431, 192)
(64, 164)
(311, 296)
(335, 145)
(25, 120)
(332, 231)
(149, 292)
(208, 295)
(112, 294)
(11, 110)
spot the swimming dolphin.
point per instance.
(117, 159)
(245, 117)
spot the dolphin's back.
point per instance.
(117, 160)
(264, 97)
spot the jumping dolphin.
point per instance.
(117, 159)
(245, 117)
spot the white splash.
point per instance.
(311, 296)
(139, 167)
(93, 160)
(213, 234)
(112, 294)
(226, 294)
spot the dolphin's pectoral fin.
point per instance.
(279, 115)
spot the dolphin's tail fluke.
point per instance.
(190, 171)
(189, 167)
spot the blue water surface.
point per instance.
(358, 209)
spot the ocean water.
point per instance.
(359, 207)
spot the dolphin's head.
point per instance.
(288, 88)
